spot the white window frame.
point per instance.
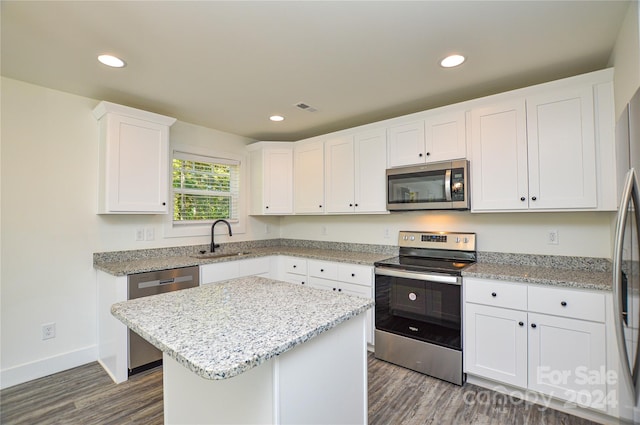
(179, 230)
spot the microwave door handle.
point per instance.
(447, 185)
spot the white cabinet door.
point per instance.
(134, 160)
(567, 359)
(562, 152)
(406, 144)
(339, 175)
(445, 136)
(370, 171)
(271, 169)
(499, 157)
(308, 177)
(496, 343)
(217, 272)
(278, 181)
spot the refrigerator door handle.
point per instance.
(630, 192)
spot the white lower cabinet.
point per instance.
(351, 279)
(217, 272)
(543, 339)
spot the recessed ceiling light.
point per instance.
(276, 118)
(111, 61)
(451, 61)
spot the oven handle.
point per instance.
(384, 271)
(447, 185)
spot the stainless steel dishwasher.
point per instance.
(143, 355)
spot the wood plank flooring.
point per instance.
(86, 395)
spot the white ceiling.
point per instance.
(230, 65)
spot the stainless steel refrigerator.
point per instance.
(626, 261)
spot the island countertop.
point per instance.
(219, 331)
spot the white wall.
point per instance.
(626, 59)
(49, 228)
(580, 234)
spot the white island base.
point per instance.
(321, 381)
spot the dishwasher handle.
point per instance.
(161, 282)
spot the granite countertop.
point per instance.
(132, 266)
(219, 331)
(543, 275)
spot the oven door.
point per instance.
(422, 306)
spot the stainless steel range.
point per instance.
(418, 295)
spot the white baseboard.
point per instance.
(34, 370)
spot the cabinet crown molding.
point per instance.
(105, 107)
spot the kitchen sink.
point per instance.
(207, 255)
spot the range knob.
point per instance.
(412, 238)
(457, 239)
(466, 240)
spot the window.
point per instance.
(205, 186)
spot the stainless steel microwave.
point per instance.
(435, 186)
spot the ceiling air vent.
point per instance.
(305, 107)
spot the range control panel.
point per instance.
(438, 240)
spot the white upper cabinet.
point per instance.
(339, 175)
(439, 137)
(133, 160)
(561, 147)
(406, 144)
(271, 168)
(308, 177)
(355, 173)
(539, 151)
(445, 136)
(371, 171)
(499, 157)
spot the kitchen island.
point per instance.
(256, 350)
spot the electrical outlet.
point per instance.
(139, 234)
(267, 228)
(323, 230)
(552, 237)
(149, 234)
(48, 331)
(386, 233)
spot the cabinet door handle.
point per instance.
(353, 275)
(493, 294)
(350, 205)
(339, 289)
(356, 205)
(428, 153)
(321, 270)
(523, 199)
(563, 303)
(294, 266)
(334, 289)
(267, 207)
(303, 282)
(533, 198)
(521, 323)
(533, 325)
(420, 155)
(319, 206)
(164, 203)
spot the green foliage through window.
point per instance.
(204, 191)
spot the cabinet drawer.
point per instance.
(494, 293)
(323, 269)
(295, 278)
(572, 303)
(360, 275)
(295, 265)
(254, 266)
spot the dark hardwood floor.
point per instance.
(86, 395)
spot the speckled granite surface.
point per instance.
(569, 272)
(219, 331)
(121, 263)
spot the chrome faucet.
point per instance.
(213, 244)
